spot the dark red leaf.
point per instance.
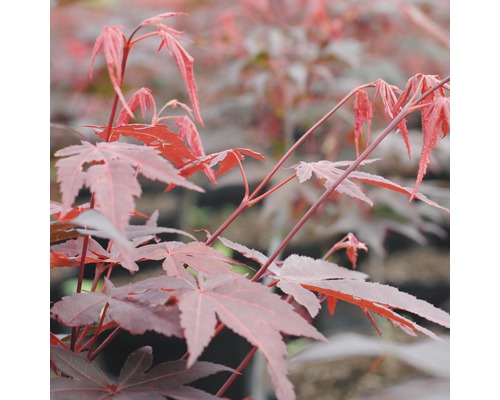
(137, 307)
(87, 381)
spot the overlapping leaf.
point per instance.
(137, 307)
(170, 41)
(112, 175)
(112, 41)
(137, 380)
(299, 270)
(363, 112)
(197, 255)
(435, 117)
(141, 98)
(158, 137)
(331, 172)
(341, 284)
(392, 98)
(251, 311)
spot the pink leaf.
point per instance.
(297, 270)
(391, 97)
(342, 284)
(385, 183)
(188, 131)
(112, 176)
(330, 173)
(352, 244)
(249, 253)
(197, 255)
(184, 62)
(159, 137)
(251, 311)
(435, 126)
(160, 17)
(130, 306)
(141, 98)
(112, 41)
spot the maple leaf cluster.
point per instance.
(197, 291)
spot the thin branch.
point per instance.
(394, 123)
(237, 372)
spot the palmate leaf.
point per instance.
(342, 284)
(137, 307)
(136, 381)
(363, 111)
(392, 98)
(112, 41)
(435, 126)
(141, 98)
(331, 172)
(197, 255)
(112, 175)
(435, 117)
(299, 270)
(159, 137)
(225, 160)
(170, 41)
(251, 311)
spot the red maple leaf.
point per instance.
(391, 99)
(159, 137)
(251, 311)
(197, 255)
(141, 98)
(351, 243)
(137, 307)
(435, 126)
(112, 41)
(435, 117)
(112, 175)
(363, 111)
(331, 172)
(342, 284)
(170, 41)
(137, 380)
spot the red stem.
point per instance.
(105, 343)
(305, 136)
(247, 202)
(126, 50)
(237, 372)
(402, 114)
(405, 111)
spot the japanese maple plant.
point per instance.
(198, 292)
